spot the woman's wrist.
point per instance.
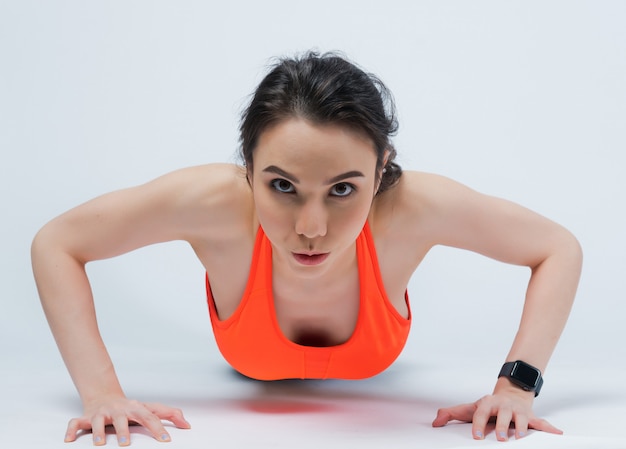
(505, 387)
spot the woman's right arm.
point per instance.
(163, 210)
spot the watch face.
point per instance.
(525, 374)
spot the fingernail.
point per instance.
(521, 435)
(502, 435)
(97, 439)
(123, 440)
(165, 437)
(478, 434)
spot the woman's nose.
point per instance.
(311, 221)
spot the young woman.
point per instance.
(308, 248)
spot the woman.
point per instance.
(308, 250)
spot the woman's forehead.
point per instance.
(297, 140)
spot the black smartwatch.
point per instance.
(525, 376)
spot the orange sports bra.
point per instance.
(252, 342)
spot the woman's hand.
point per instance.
(507, 405)
(121, 412)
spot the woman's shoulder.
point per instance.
(402, 222)
(198, 178)
(427, 186)
(416, 194)
(210, 181)
(416, 206)
(187, 204)
(210, 197)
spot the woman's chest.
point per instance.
(313, 312)
(322, 316)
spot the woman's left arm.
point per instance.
(505, 231)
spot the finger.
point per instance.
(153, 424)
(443, 417)
(463, 412)
(521, 426)
(480, 419)
(120, 422)
(544, 426)
(73, 427)
(97, 429)
(503, 422)
(173, 415)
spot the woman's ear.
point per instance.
(382, 170)
(248, 174)
(386, 157)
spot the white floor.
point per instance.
(227, 411)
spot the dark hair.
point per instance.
(323, 89)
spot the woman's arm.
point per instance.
(165, 209)
(460, 217)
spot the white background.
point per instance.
(523, 100)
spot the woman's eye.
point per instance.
(282, 186)
(341, 189)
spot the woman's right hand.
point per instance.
(171, 208)
(120, 413)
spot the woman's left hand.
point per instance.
(508, 405)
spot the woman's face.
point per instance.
(313, 187)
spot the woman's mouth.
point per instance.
(310, 259)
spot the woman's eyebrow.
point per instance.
(281, 172)
(348, 174)
(295, 180)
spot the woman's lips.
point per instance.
(310, 259)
